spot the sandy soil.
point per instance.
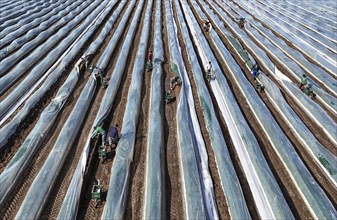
(219, 194)
(97, 169)
(137, 173)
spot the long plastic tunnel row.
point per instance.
(306, 44)
(18, 35)
(196, 180)
(291, 65)
(54, 74)
(321, 43)
(120, 172)
(42, 68)
(260, 181)
(11, 14)
(233, 192)
(299, 128)
(154, 187)
(36, 196)
(66, 26)
(318, 73)
(318, 17)
(322, 207)
(308, 105)
(71, 201)
(35, 138)
(313, 25)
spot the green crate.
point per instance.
(102, 151)
(96, 192)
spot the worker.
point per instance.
(150, 56)
(207, 26)
(242, 22)
(149, 64)
(101, 131)
(255, 70)
(85, 60)
(113, 135)
(304, 81)
(174, 81)
(98, 74)
(209, 70)
(169, 97)
(258, 86)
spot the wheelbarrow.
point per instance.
(210, 75)
(307, 90)
(258, 86)
(96, 193)
(102, 152)
(148, 65)
(169, 97)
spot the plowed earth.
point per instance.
(101, 170)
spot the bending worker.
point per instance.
(255, 70)
(304, 81)
(173, 82)
(113, 135)
(209, 70)
(207, 26)
(101, 131)
(150, 56)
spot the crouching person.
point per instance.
(101, 131)
(113, 135)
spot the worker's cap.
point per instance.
(304, 75)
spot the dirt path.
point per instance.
(321, 178)
(174, 198)
(102, 171)
(31, 67)
(309, 58)
(219, 194)
(280, 66)
(27, 125)
(63, 180)
(137, 174)
(98, 170)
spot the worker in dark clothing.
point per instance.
(98, 73)
(255, 70)
(101, 131)
(306, 86)
(242, 22)
(174, 81)
(113, 135)
(209, 70)
(207, 26)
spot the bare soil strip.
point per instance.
(320, 176)
(219, 194)
(136, 193)
(174, 198)
(101, 170)
(63, 181)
